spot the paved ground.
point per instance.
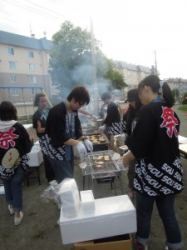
(40, 230)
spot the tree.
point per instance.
(75, 58)
(115, 76)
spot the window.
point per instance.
(32, 79)
(13, 78)
(32, 67)
(14, 91)
(31, 54)
(10, 51)
(12, 65)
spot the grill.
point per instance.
(100, 164)
(101, 167)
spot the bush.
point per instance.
(183, 108)
(184, 99)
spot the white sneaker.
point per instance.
(10, 209)
(18, 220)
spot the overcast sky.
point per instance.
(129, 30)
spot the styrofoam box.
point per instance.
(113, 216)
(35, 156)
(87, 201)
(69, 196)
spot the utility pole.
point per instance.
(155, 62)
(94, 71)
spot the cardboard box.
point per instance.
(113, 244)
(113, 216)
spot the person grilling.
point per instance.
(64, 134)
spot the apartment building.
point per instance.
(132, 73)
(23, 69)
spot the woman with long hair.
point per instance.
(158, 177)
(113, 123)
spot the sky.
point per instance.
(128, 30)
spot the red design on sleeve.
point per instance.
(169, 121)
(7, 139)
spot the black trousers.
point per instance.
(49, 172)
(62, 169)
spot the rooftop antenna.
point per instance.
(31, 33)
(45, 34)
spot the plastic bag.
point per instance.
(51, 193)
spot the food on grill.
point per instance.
(99, 162)
(97, 139)
(100, 157)
(106, 158)
(99, 166)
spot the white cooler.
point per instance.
(113, 216)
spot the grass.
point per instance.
(183, 107)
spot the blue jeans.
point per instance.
(62, 169)
(165, 206)
(13, 189)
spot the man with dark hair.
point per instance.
(80, 95)
(39, 122)
(63, 133)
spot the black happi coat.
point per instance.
(14, 146)
(154, 143)
(58, 131)
(41, 116)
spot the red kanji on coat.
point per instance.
(7, 139)
(169, 121)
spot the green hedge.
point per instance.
(183, 107)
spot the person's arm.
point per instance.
(71, 142)
(25, 140)
(143, 136)
(26, 147)
(87, 114)
(128, 157)
(39, 128)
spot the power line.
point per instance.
(42, 7)
(36, 9)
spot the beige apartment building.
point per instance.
(23, 69)
(133, 74)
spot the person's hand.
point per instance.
(94, 118)
(88, 145)
(127, 158)
(102, 129)
(80, 150)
